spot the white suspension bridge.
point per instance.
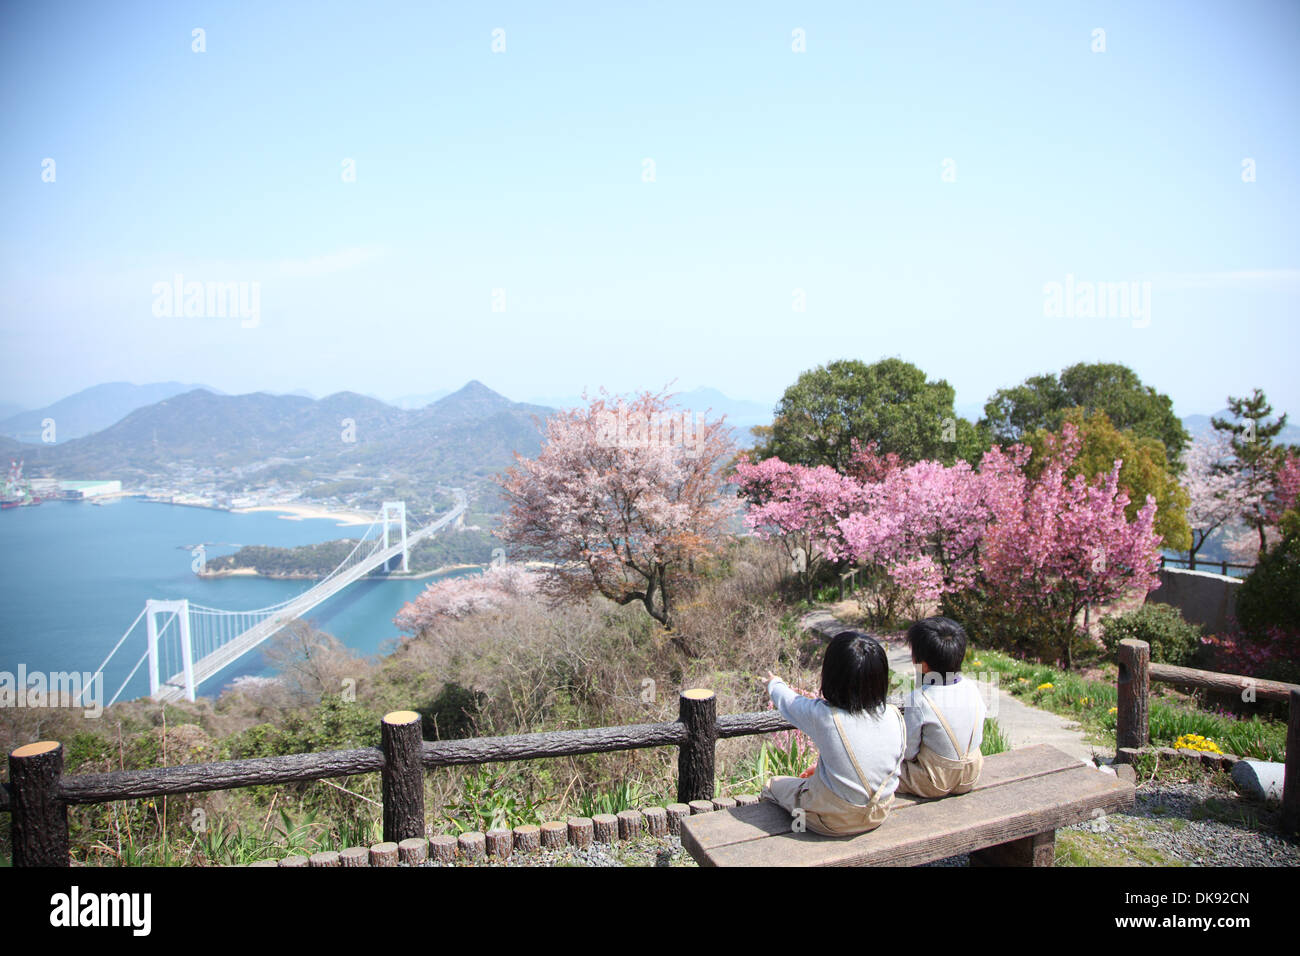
(195, 642)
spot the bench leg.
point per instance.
(1036, 850)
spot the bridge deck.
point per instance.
(211, 664)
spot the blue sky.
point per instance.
(523, 171)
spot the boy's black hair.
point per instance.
(855, 673)
(939, 642)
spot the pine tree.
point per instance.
(1255, 458)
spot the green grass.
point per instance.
(628, 795)
(995, 741)
(1082, 848)
(1090, 703)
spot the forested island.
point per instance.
(464, 546)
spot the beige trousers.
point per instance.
(931, 775)
(824, 811)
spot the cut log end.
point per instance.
(33, 750)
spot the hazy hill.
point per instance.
(90, 410)
(259, 440)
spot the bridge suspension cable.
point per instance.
(206, 640)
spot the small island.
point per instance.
(468, 546)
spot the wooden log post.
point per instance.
(698, 710)
(354, 856)
(38, 817)
(677, 812)
(555, 834)
(630, 824)
(403, 776)
(604, 828)
(383, 854)
(1291, 775)
(1131, 718)
(442, 848)
(582, 831)
(656, 821)
(413, 851)
(498, 843)
(528, 837)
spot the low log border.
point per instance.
(1132, 728)
(40, 813)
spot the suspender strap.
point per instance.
(947, 728)
(862, 777)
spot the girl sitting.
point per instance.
(860, 741)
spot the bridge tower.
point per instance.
(396, 511)
(181, 612)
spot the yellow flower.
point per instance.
(976, 663)
(1198, 743)
(1023, 680)
(1113, 710)
(1047, 686)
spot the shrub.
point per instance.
(1270, 597)
(1173, 640)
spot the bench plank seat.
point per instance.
(1020, 794)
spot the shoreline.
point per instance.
(292, 512)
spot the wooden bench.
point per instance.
(1009, 819)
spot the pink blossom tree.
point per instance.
(1057, 546)
(1286, 489)
(1241, 541)
(1217, 494)
(450, 599)
(621, 500)
(922, 525)
(799, 506)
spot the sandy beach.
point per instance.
(304, 512)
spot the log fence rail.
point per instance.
(1132, 717)
(38, 795)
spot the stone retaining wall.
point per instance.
(1204, 598)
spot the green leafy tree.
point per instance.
(889, 402)
(1255, 456)
(1042, 401)
(1144, 471)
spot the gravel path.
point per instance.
(1177, 824)
(1193, 824)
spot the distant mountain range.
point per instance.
(257, 441)
(144, 433)
(90, 410)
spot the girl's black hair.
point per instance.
(855, 673)
(939, 642)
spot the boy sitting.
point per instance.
(944, 716)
